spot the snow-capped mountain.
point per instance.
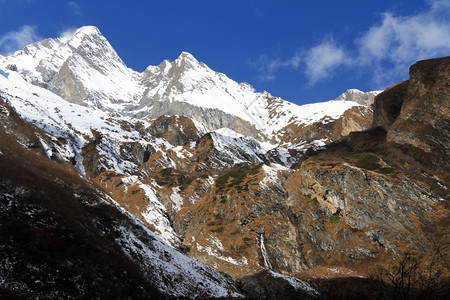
(104, 117)
(180, 158)
(84, 69)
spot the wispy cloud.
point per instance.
(386, 49)
(267, 68)
(15, 40)
(68, 32)
(321, 60)
(75, 8)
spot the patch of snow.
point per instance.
(271, 174)
(297, 284)
(47, 149)
(155, 214)
(182, 152)
(232, 146)
(176, 199)
(262, 247)
(186, 275)
(229, 133)
(216, 250)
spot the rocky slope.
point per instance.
(251, 185)
(63, 238)
(355, 200)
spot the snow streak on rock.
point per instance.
(267, 264)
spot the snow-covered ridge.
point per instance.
(83, 68)
(74, 123)
(87, 58)
(358, 96)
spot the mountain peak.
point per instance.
(87, 30)
(86, 33)
(186, 59)
(186, 55)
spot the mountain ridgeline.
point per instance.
(178, 182)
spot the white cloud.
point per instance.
(68, 32)
(15, 40)
(399, 41)
(319, 62)
(75, 8)
(322, 59)
(386, 49)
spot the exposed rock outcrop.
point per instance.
(388, 105)
(424, 118)
(176, 130)
(327, 130)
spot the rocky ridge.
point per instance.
(84, 69)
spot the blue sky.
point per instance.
(301, 51)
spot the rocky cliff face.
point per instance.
(424, 118)
(315, 195)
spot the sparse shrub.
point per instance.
(386, 171)
(355, 230)
(382, 152)
(236, 177)
(367, 161)
(334, 219)
(165, 172)
(218, 230)
(409, 277)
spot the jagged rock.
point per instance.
(365, 199)
(424, 118)
(176, 130)
(388, 105)
(270, 285)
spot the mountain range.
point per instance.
(178, 182)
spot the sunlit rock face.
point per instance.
(424, 117)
